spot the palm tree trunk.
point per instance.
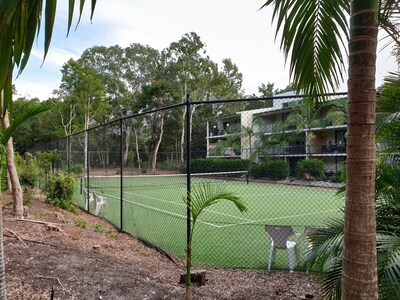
(359, 258)
(18, 204)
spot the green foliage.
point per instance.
(46, 161)
(98, 228)
(272, 169)
(81, 223)
(312, 41)
(77, 169)
(28, 169)
(313, 167)
(205, 165)
(29, 196)
(59, 189)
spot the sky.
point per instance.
(230, 29)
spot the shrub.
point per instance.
(29, 196)
(59, 188)
(207, 165)
(272, 169)
(77, 169)
(47, 160)
(313, 167)
(28, 169)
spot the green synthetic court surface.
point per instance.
(153, 210)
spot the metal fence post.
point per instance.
(188, 168)
(87, 168)
(121, 176)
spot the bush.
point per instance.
(77, 169)
(208, 165)
(59, 188)
(28, 169)
(273, 169)
(47, 160)
(313, 167)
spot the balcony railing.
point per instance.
(221, 132)
(285, 150)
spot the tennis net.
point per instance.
(159, 181)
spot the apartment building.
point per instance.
(287, 129)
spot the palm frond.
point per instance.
(207, 194)
(21, 118)
(327, 244)
(21, 21)
(388, 265)
(312, 36)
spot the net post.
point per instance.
(121, 176)
(247, 177)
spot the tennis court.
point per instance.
(153, 210)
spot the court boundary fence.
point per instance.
(119, 125)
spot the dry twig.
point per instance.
(17, 236)
(56, 278)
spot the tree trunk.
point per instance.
(128, 130)
(9, 185)
(359, 257)
(183, 136)
(18, 204)
(137, 149)
(154, 159)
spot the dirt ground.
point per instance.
(83, 257)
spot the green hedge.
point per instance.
(207, 165)
(272, 169)
(313, 167)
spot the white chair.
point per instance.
(279, 236)
(90, 198)
(99, 201)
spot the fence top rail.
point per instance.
(193, 103)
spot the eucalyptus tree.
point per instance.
(313, 34)
(158, 94)
(81, 86)
(196, 74)
(123, 72)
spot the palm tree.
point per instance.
(20, 23)
(201, 197)
(313, 33)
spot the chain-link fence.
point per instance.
(282, 157)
